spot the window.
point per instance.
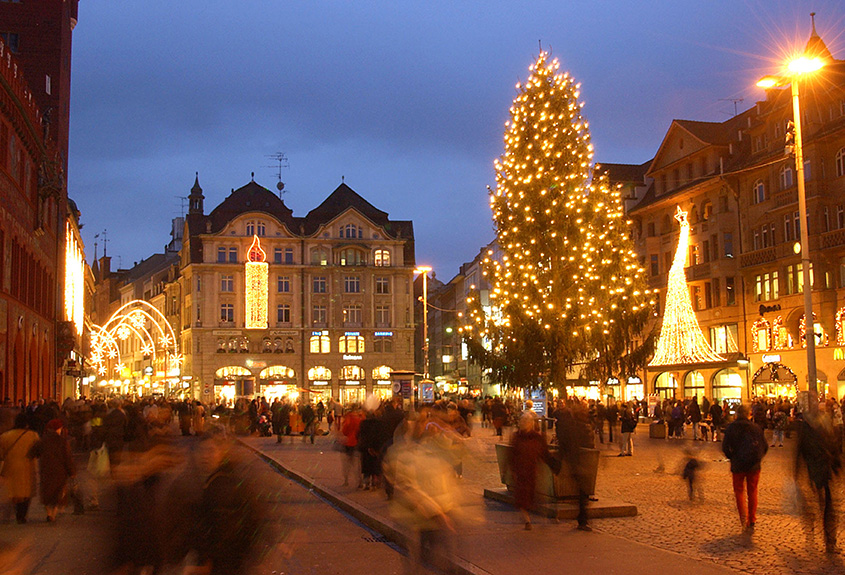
(693, 255)
(382, 258)
(723, 338)
(351, 373)
(382, 316)
(352, 314)
(352, 257)
(255, 228)
(382, 285)
(283, 313)
(650, 230)
(283, 284)
(696, 297)
(250, 228)
(655, 268)
(227, 283)
(48, 84)
(320, 343)
(755, 243)
(766, 286)
(840, 217)
(840, 163)
(759, 192)
(717, 294)
(730, 291)
(277, 255)
(383, 344)
(11, 40)
(319, 285)
(199, 283)
(227, 312)
(233, 255)
(319, 257)
(728, 243)
(352, 284)
(795, 278)
(221, 255)
(318, 315)
(785, 177)
(351, 343)
(351, 232)
(288, 255)
(825, 219)
(807, 171)
(199, 313)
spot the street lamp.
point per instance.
(795, 70)
(424, 271)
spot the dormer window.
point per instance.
(351, 232)
(255, 228)
(352, 257)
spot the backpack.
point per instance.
(748, 452)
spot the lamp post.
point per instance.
(795, 70)
(424, 271)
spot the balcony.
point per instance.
(833, 239)
(758, 257)
(698, 272)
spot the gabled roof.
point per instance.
(338, 202)
(626, 172)
(250, 198)
(714, 133)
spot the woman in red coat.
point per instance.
(528, 449)
(56, 467)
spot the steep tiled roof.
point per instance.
(250, 198)
(714, 133)
(625, 172)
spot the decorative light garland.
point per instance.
(256, 273)
(681, 341)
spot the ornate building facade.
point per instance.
(279, 305)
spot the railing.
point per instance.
(697, 272)
(758, 257)
(833, 239)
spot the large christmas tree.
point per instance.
(566, 286)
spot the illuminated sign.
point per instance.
(771, 358)
(256, 273)
(353, 357)
(352, 333)
(383, 334)
(634, 380)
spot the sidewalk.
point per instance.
(492, 539)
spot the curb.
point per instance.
(388, 529)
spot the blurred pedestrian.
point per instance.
(818, 451)
(18, 449)
(528, 449)
(198, 418)
(574, 436)
(309, 420)
(499, 414)
(628, 423)
(745, 445)
(690, 474)
(349, 431)
(56, 467)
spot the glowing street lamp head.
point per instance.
(803, 65)
(767, 82)
(422, 269)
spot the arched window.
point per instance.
(665, 385)
(382, 258)
(352, 257)
(351, 232)
(781, 338)
(256, 228)
(727, 384)
(786, 177)
(822, 338)
(762, 335)
(232, 371)
(320, 342)
(381, 373)
(277, 372)
(319, 257)
(250, 228)
(352, 373)
(319, 373)
(694, 384)
(351, 344)
(759, 191)
(840, 163)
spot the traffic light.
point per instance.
(789, 144)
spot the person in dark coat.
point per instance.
(371, 441)
(528, 448)
(818, 451)
(572, 429)
(56, 467)
(612, 416)
(694, 414)
(309, 419)
(499, 413)
(716, 419)
(745, 445)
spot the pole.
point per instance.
(425, 325)
(809, 320)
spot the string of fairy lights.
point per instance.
(564, 254)
(681, 340)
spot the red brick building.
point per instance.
(35, 44)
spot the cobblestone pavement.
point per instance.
(708, 529)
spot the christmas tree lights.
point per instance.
(566, 286)
(256, 273)
(681, 341)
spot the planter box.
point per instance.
(657, 430)
(553, 486)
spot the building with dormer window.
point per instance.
(334, 292)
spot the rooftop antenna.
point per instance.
(734, 100)
(183, 200)
(104, 233)
(281, 161)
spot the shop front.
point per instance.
(352, 380)
(382, 384)
(612, 389)
(727, 386)
(634, 388)
(665, 385)
(694, 385)
(278, 382)
(584, 390)
(320, 383)
(231, 382)
(774, 380)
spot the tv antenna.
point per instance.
(183, 201)
(734, 100)
(281, 161)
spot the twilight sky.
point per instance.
(406, 100)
